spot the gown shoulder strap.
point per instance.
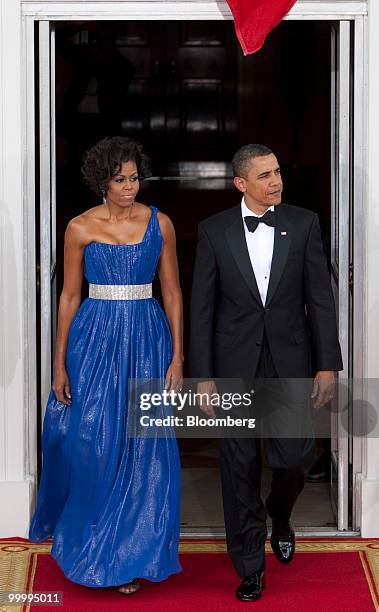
(154, 223)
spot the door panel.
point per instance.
(182, 101)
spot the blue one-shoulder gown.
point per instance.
(111, 501)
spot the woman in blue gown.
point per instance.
(111, 500)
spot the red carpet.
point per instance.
(326, 574)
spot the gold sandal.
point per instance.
(134, 584)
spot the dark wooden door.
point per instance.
(182, 101)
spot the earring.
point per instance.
(104, 197)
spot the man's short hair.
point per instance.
(243, 157)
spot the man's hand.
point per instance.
(206, 389)
(323, 388)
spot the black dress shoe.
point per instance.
(251, 587)
(283, 542)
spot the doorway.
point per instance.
(191, 97)
(186, 92)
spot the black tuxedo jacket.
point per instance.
(228, 318)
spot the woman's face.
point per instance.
(123, 186)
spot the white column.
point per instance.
(14, 484)
(370, 480)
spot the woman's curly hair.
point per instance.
(104, 160)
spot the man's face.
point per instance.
(262, 185)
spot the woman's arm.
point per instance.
(172, 299)
(68, 305)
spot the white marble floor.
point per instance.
(202, 500)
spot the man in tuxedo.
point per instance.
(261, 309)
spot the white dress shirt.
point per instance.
(260, 245)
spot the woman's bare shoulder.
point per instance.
(79, 228)
(142, 209)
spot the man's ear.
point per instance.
(240, 183)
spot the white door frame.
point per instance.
(47, 186)
(341, 254)
(66, 10)
(109, 10)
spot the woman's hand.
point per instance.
(174, 377)
(61, 386)
(69, 302)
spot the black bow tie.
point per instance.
(252, 222)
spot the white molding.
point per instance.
(370, 508)
(360, 220)
(30, 317)
(370, 466)
(3, 396)
(64, 10)
(15, 512)
(15, 487)
(11, 255)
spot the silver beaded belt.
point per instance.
(120, 292)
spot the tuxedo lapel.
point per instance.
(282, 243)
(235, 235)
